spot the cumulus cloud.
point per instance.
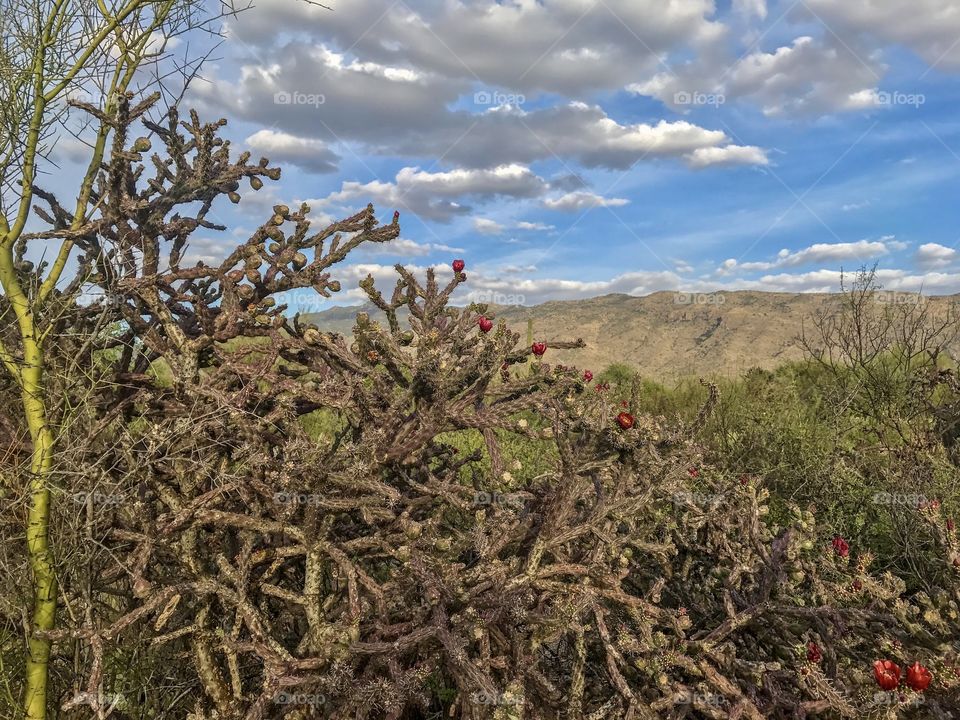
(404, 247)
(582, 200)
(808, 76)
(729, 155)
(485, 226)
(436, 195)
(933, 255)
(281, 148)
(565, 46)
(419, 122)
(929, 27)
(520, 282)
(818, 253)
(575, 130)
(751, 7)
(539, 226)
(535, 290)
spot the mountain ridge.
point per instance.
(666, 335)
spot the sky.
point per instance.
(572, 148)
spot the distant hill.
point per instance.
(724, 334)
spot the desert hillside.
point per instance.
(666, 338)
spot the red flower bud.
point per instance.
(624, 403)
(814, 654)
(396, 215)
(840, 546)
(485, 323)
(625, 420)
(857, 586)
(887, 674)
(693, 472)
(587, 375)
(539, 348)
(918, 677)
(458, 265)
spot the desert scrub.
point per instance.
(633, 573)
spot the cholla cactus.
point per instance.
(386, 571)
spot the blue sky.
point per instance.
(575, 148)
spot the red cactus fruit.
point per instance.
(539, 348)
(587, 376)
(918, 677)
(814, 654)
(458, 265)
(485, 323)
(887, 674)
(840, 546)
(625, 420)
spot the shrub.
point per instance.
(381, 559)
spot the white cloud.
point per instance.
(818, 253)
(281, 148)
(848, 207)
(582, 200)
(419, 123)
(933, 255)
(565, 46)
(729, 155)
(523, 225)
(485, 226)
(435, 195)
(808, 76)
(751, 7)
(404, 247)
(517, 281)
(929, 27)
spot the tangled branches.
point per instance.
(385, 568)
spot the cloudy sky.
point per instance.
(572, 148)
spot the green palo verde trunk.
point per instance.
(28, 372)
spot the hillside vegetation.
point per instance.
(243, 514)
